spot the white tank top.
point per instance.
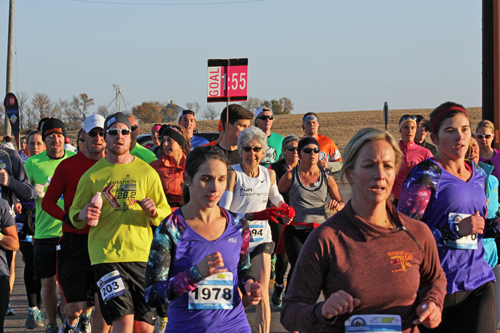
(251, 195)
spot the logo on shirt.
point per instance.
(270, 156)
(400, 260)
(232, 240)
(248, 192)
(2, 164)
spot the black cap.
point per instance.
(51, 126)
(116, 118)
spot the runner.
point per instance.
(423, 127)
(412, 153)
(8, 242)
(136, 149)
(368, 260)
(26, 230)
(187, 119)
(120, 239)
(40, 169)
(448, 194)
(250, 186)
(289, 160)
(264, 120)
(329, 155)
(74, 272)
(239, 119)
(307, 187)
(485, 133)
(170, 167)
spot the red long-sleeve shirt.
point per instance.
(64, 182)
(384, 268)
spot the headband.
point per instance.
(175, 134)
(442, 113)
(309, 117)
(156, 128)
(307, 140)
(405, 121)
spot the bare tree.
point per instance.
(210, 112)
(103, 111)
(42, 106)
(252, 104)
(68, 115)
(81, 104)
(193, 106)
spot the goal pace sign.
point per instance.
(227, 80)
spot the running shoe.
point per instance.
(161, 324)
(10, 312)
(277, 297)
(84, 325)
(51, 329)
(273, 267)
(40, 317)
(32, 320)
(66, 329)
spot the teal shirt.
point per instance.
(274, 142)
(144, 154)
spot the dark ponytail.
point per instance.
(196, 158)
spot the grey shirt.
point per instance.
(6, 220)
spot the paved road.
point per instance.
(19, 303)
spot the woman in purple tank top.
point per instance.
(199, 255)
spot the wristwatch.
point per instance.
(457, 228)
(250, 216)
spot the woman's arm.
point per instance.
(333, 191)
(227, 196)
(285, 182)
(159, 288)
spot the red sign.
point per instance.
(227, 80)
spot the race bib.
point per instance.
(213, 293)
(373, 324)
(256, 232)
(111, 285)
(464, 243)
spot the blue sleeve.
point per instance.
(244, 270)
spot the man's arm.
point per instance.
(18, 181)
(83, 196)
(158, 196)
(56, 188)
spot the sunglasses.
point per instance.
(266, 117)
(133, 128)
(114, 131)
(487, 136)
(407, 117)
(310, 150)
(93, 134)
(255, 149)
(290, 148)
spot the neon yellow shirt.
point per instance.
(40, 169)
(123, 233)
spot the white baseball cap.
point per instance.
(93, 121)
(260, 110)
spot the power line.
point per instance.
(169, 4)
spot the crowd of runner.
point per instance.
(183, 235)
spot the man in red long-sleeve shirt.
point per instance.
(74, 272)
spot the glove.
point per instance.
(268, 214)
(38, 191)
(288, 211)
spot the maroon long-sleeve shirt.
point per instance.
(384, 268)
(64, 182)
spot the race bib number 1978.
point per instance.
(215, 292)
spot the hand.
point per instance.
(253, 292)
(208, 266)
(89, 213)
(268, 214)
(4, 177)
(148, 206)
(428, 314)
(339, 303)
(18, 208)
(38, 191)
(471, 225)
(288, 213)
(323, 164)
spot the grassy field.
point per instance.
(339, 126)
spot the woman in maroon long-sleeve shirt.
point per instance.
(369, 260)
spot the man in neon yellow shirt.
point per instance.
(40, 169)
(120, 241)
(136, 149)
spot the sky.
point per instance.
(325, 55)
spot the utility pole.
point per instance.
(118, 93)
(9, 62)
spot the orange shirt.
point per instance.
(171, 179)
(328, 149)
